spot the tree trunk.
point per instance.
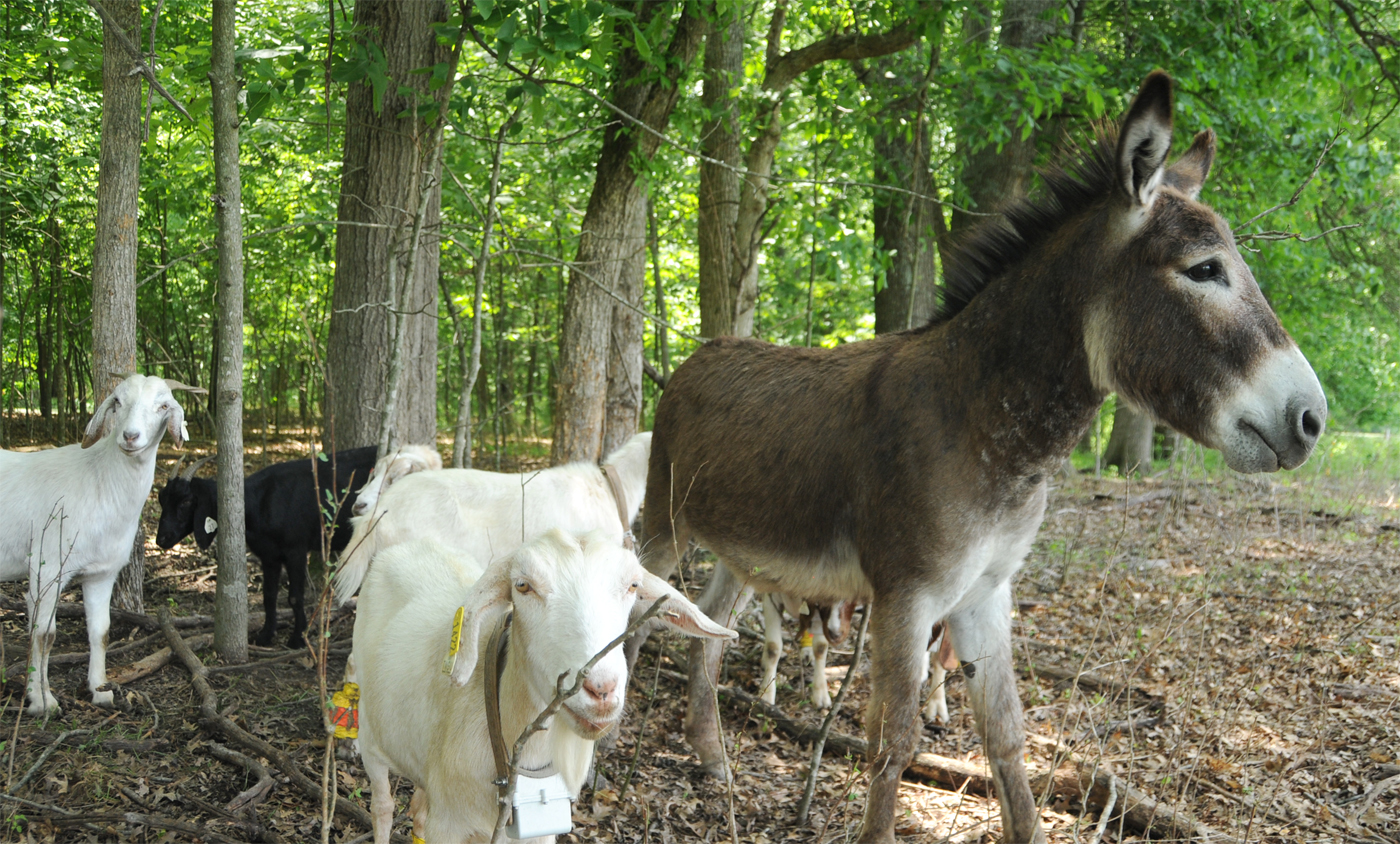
(378, 187)
(780, 71)
(1130, 444)
(994, 178)
(623, 414)
(905, 225)
(613, 234)
(718, 206)
(231, 593)
(114, 241)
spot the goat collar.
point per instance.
(615, 486)
(495, 667)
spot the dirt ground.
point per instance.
(1254, 621)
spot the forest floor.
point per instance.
(1252, 621)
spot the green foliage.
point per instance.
(1275, 80)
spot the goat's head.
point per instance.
(178, 504)
(136, 413)
(572, 597)
(391, 467)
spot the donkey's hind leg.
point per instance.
(981, 634)
(724, 598)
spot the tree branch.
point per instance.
(849, 46)
(141, 66)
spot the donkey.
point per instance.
(910, 470)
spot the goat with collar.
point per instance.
(569, 597)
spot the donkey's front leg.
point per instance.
(982, 637)
(724, 598)
(898, 640)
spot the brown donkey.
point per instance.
(910, 470)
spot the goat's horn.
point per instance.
(194, 467)
(176, 385)
(175, 472)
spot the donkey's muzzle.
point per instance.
(1275, 419)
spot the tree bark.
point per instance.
(1130, 443)
(114, 241)
(718, 206)
(781, 70)
(905, 225)
(612, 236)
(379, 187)
(231, 593)
(994, 178)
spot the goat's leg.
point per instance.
(981, 634)
(97, 599)
(724, 598)
(899, 627)
(772, 647)
(936, 709)
(42, 601)
(418, 813)
(296, 595)
(381, 800)
(272, 582)
(821, 693)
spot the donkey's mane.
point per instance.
(995, 245)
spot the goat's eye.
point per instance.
(523, 587)
(1206, 271)
(634, 587)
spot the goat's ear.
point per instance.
(176, 425)
(678, 612)
(397, 469)
(1145, 139)
(488, 598)
(1189, 172)
(97, 426)
(177, 385)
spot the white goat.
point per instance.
(70, 514)
(815, 622)
(569, 597)
(487, 515)
(404, 461)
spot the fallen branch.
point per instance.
(69, 609)
(149, 665)
(44, 757)
(809, 788)
(213, 720)
(251, 796)
(1082, 779)
(286, 657)
(146, 820)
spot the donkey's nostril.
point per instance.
(1311, 425)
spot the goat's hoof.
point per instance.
(296, 643)
(348, 750)
(264, 638)
(823, 702)
(104, 700)
(46, 709)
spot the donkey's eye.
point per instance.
(523, 587)
(1206, 271)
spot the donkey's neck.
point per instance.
(1018, 366)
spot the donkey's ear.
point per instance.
(1190, 170)
(1145, 139)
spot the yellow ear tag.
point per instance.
(450, 661)
(806, 640)
(417, 840)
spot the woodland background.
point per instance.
(879, 122)
(793, 170)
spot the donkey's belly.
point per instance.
(833, 575)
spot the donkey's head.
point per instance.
(1175, 322)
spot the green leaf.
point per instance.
(484, 7)
(640, 41)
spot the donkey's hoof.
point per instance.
(715, 770)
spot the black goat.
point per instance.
(282, 521)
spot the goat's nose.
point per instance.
(600, 690)
(358, 509)
(131, 436)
